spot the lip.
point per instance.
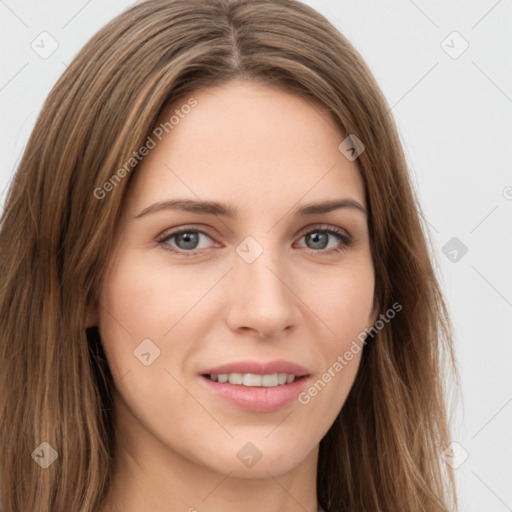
(257, 399)
(260, 368)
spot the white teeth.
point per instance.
(253, 380)
(235, 378)
(270, 380)
(249, 379)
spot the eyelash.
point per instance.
(342, 237)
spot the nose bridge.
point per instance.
(259, 263)
(262, 299)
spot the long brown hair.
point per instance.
(56, 236)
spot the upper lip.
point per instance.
(259, 368)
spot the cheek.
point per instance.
(146, 299)
(142, 301)
(140, 307)
(342, 300)
(131, 311)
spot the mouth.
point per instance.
(256, 387)
(254, 380)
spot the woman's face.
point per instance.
(191, 289)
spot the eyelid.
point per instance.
(181, 229)
(302, 231)
(322, 226)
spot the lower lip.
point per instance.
(257, 399)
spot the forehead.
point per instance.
(247, 144)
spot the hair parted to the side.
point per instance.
(383, 451)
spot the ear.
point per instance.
(92, 317)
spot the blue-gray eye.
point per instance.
(187, 240)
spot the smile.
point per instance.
(252, 379)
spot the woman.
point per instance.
(217, 292)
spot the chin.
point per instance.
(260, 459)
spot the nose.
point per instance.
(261, 297)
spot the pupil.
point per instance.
(316, 236)
(190, 240)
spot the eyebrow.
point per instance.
(224, 210)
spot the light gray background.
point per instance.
(454, 117)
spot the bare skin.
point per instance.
(267, 153)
